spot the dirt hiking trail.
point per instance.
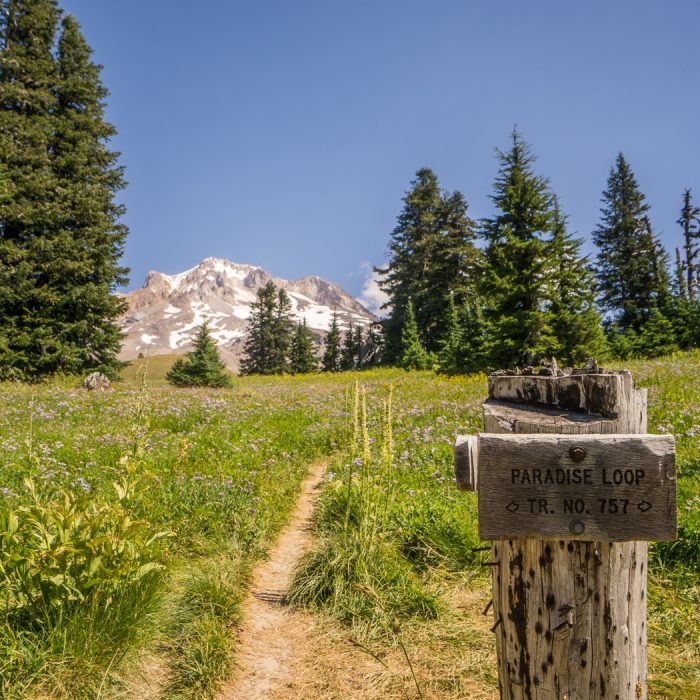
(274, 640)
(285, 654)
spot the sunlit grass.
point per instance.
(224, 469)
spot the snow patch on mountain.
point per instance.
(164, 315)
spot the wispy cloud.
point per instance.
(372, 297)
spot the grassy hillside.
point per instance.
(129, 522)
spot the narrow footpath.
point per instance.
(272, 636)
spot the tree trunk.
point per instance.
(569, 616)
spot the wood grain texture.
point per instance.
(623, 488)
(466, 462)
(570, 616)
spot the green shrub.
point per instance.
(62, 551)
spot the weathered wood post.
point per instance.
(568, 507)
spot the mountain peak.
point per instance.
(163, 316)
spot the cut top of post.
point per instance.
(611, 395)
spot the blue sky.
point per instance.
(284, 133)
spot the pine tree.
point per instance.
(686, 312)
(631, 264)
(575, 320)
(202, 366)
(449, 356)
(282, 333)
(259, 352)
(358, 343)
(303, 358)
(331, 355)
(413, 354)
(348, 353)
(372, 348)
(270, 327)
(432, 256)
(657, 337)
(689, 221)
(60, 236)
(518, 259)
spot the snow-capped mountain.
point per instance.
(163, 316)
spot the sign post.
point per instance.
(570, 491)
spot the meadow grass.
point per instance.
(214, 475)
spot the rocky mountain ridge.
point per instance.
(163, 316)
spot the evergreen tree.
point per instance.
(473, 356)
(202, 366)
(575, 320)
(282, 334)
(348, 352)
(60, 236)
(358, 342)
(267, 346)
(686, 313)
(303, 358)
(431, 256)
(331, 355)
(657, 337)
(689, 221)
(413, 355)
(518, 261)
(450, 355)
(372, 348)
(463, 346)
(631, 269)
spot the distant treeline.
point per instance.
(525, 295)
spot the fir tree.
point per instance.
(303, 358)
(463, 346)
(372, 348)
(282, 333)
(631, 264)
(60, 236)
(657, 337)
(431, 256)
(413, 354)
(689, 221)
(358, 343)
(518, 260)
(331, 355)
(267, 346)
(576, 322)
(202, 366)
(450, 355)
(348, 351)
(473, 356)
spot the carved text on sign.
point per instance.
(590, 487)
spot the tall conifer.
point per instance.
(303, 359)
(60, 236)
(431, 257)
(631, 264)
(413, 354)
(575, 320)
(331, 354)
(518, 261)
(348, 353)
(266, 349)
(689, 221)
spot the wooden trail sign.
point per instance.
(601, 487)
(569, 559)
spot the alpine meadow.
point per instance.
(229, 484)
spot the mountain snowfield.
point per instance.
(164, 315)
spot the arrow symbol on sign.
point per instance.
(644, 506)
(512, 507)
